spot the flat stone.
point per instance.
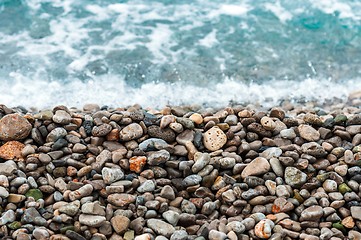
(356, 212)
(14, 127)
(257, 167)
(11, 150)
(91, 220)
(160, 227)
(93, 208)
(312, 213)
(214, 139)
(166, 134)
(69, 209)
(121, 199)
(152, 144)
(271, 152)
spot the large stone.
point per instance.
(91, 220)
(158, 157)
(214, 139)
(62, 117)
(312, 213)
(120, 223)
(121, 199)
(257, 167)
(131, 132)
(294, 177)
(7, 168)
(160, 227)
(308, 133)
(356, 212)
(11, 150)
(14, 127)
(111, 175)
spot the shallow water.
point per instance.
(177, 52)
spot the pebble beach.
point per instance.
(241, 172)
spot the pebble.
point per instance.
(171, 217)
(14, 127)
(147, 186)
(311, 213)
(200, 161)
(56, 134)
(356, 212)
(41, 234)
(11, 150)
(179, 235)
(214, 139)
(268, 123)
(216, 235)
(93, 208)
(91, 220)
(62, 117)
(263, 228)
(294, 177)
(158, 157)
(131, 132)
(160, 227)
(111, 175)
(120, 223)
(308, 133)
(257, 167)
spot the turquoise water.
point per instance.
(177, 52)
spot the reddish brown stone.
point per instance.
(11, 150)
(137, 163)
(113, 135)
(14, 127)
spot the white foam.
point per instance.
(210, 39)
(113, 91)
(279, 11)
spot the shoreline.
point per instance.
(187, 172)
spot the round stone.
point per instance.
(263, 228)
(120, 223)
(308, 133)
(131, 132)
(214, 139)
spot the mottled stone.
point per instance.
(120, 223)
(263, 228)
(214, 139)
(308, 133)
(294, 177)
(11, 150)
(111, 175)
(137, 163)
(131, 132)
(14, 127)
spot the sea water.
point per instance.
(160, 52)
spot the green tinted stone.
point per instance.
(343, 188)
(66, 228)
(14, 225)
(129, 235)
(35, 193)
(339, 226)
(339, 119)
